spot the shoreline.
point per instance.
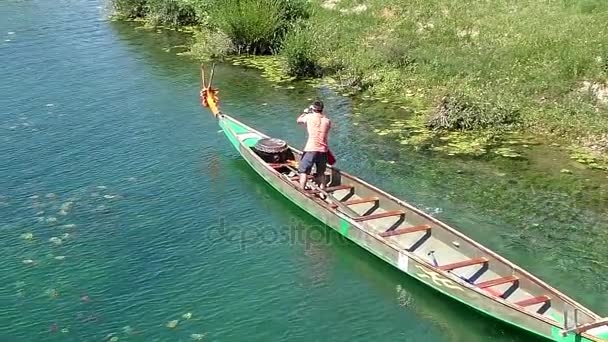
(585, 144)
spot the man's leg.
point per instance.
(321, 165)
(304, 167)
(303, 177)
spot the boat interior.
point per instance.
(441, 247)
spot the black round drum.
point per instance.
(272, 150)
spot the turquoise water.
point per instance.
(122, 208)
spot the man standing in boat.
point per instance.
(316, 150)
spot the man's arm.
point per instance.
(302, 118)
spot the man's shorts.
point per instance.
(319, 159)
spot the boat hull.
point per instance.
(402, 260)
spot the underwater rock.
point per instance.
(59, 257)
(51, 219)
(28, 262)
(187, 315)
(566, 171)
(172, 324)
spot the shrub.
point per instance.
(462, 113)
(211, 45)
(131, 8)
(257, 26)
(164, 12)
(301, 53)
(172, 13)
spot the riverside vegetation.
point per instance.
(467, 74)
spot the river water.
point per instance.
(125, 215)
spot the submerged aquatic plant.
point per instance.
(27, 236)
(589, 159)
(197, 337)
(507, 152)
(55, 240)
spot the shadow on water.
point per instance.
(458, 322)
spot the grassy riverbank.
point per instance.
(483, 68)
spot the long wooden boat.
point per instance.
(418, 244)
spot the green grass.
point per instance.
(526, 58)
(499, 63)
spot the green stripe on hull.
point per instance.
(344, 227)
(238, 129)
(229, 134)
(250, 142)
(231, 128)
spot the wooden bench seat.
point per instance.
(334, 188)
(406, 230)
(470, 262)
(297, 178)
(362, 200)
(380, 215)
(357, 201)
(533, 301)
(497, 281)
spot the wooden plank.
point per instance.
(362, 200)
(357, 201)
(277, 165)
(297, 178)
(586, 327)
(380, 215)
(497, 281)
(334, 188)
(470, 262)
(418, 228)
(533, 301)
